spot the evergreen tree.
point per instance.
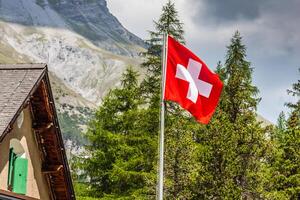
(280, 128)
(232, 145)
(167, 23)
(241, 107)
(120, 151)
(123, 135)
(179, 143)
(281, 121)
(284, 167)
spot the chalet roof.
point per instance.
(16, 83)
(28, 84)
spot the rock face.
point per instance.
(85, 46)
(92, 19)
(83, 43)
(89, 18)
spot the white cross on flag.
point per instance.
(190, 82)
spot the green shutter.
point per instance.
(20, 175)
(12, 156)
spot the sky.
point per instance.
(270, 31)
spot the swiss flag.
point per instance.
(190, 82)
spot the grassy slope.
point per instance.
(9, 55)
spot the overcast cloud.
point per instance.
(270, 30)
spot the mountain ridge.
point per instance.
(82, 68)
(84, 64)
(45, 31)
(89, 18)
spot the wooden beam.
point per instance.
(50, 169)
(43, 128)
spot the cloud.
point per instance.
(232, 10)
(270, 30)
(271, 34)
(265, 23)
(136, 15)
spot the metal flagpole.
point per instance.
(162, 122)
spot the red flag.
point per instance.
(190, 83)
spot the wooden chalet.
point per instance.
(33, 162)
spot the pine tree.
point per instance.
(120, 151)
(242, 113)
(280, 127)
(284, 167)
(294, 119)
(232, 145)
(167, 23)
(281, 121)
(179, 143)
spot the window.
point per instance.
(18, 167)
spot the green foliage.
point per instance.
(82, 190)
(284, 168)
(233, 157)
(120, 161)
(168, 23)
(295, 91)
(71, 119)
(281, 122)
(233, 144)
(179, 144)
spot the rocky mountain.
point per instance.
(89, 18)
(85, 46)
(92, 19)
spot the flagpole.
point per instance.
(162, 122)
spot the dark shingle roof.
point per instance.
(16, 83)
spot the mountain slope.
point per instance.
(82, 66)
(89, 18)
(85, 46)
(93, 20)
